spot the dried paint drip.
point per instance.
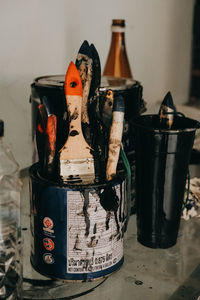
(95, 228)
(84, 65)
(108, 215)
(85, 212)
(109, 199)
(111, 203)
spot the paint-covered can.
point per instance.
(77, 231)
(51, 87)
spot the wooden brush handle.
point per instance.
(74, 111)
(50, 146)
(116, 131)
(76, 146)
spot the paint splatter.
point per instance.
(85, 212)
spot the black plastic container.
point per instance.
(162, 159)
(78, 230)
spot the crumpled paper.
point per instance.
(191, 205)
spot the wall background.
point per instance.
(41, 38)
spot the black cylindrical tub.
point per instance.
(77, 231)
(162, 159)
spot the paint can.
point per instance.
(51, 87)
(77, 231)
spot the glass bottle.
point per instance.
(117, 64)
(10, 233)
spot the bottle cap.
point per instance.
(1, 128)
(118, 22)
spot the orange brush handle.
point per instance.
(51, 132)
(73, 84)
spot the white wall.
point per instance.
(40, 37)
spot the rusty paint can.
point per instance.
(77, 231)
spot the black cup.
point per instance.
(162, 159)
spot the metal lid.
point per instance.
(1, 128)
(116, 83)
(50, 81)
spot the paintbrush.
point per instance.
(98, 131)
(167, 111)
(40, 132)
(84, 65)
(96, 74)
(115, 139)
(76, 160)
(49, 139)
(50, 146)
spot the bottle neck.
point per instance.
(119, 29)
(118, 36)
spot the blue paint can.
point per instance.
(77, 231)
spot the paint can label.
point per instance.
(94, 235)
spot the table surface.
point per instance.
(149, 274)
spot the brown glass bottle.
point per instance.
(117, 63)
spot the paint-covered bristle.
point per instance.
(167, 111)
(84, 59)
(168, 101)
(85, 49)
(77, 171)
(96, 70)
